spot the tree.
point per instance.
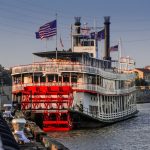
(5, 76)
(140, 82)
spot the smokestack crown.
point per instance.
(107, 20)
(77, 21)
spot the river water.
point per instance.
(131, 134)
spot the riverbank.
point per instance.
(41, 136)
(145, 98)
(143, 94)
(39, 140)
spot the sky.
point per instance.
(20, 19)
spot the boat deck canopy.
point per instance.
(61, 54)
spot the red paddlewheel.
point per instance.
(58, 122)
(53, 101)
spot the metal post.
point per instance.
(98, 104)
(56, 36)
(33, 69)
(72, 47)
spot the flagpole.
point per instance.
(120, 42)
(72, 48)
(33, 69)
(56, 36)
(96, 43)
(119, 53)
(46, 44)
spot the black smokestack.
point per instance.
(77, 25)
(107, 38)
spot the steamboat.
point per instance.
(75, 88)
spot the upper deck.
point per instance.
(83, 73)
(73, 62)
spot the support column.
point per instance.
(39, 80)
(104, 100)
(119, 104)
(46, 79)
(109, 107)
(101, 103)
(84, 78)
(70, 78)
(107, 104)
(116, 104)
(98, 103)
(110, 98)
(62, 79)
(125, 100)
(130, 100)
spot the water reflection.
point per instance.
(132, 134)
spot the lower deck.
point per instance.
(82, 120)
(56, 103)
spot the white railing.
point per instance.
(110, 116)
(76, 86)
(58, 68)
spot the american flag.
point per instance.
(47, 30)
(99, 35)
(113, 48)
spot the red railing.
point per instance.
(53, 101)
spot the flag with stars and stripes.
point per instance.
(113, 48)
(47, 30)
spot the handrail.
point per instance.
(46, 68)
(109, 116)
(76, 86)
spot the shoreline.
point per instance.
(38, 139)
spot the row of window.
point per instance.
(108, 84)
(113, 104)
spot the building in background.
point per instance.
(5, 86)
(143, 75)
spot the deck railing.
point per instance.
(76, 86)
(58, 68)
(109, 116)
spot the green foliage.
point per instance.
(5, 76)
(140, 82)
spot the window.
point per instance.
(93, 110)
